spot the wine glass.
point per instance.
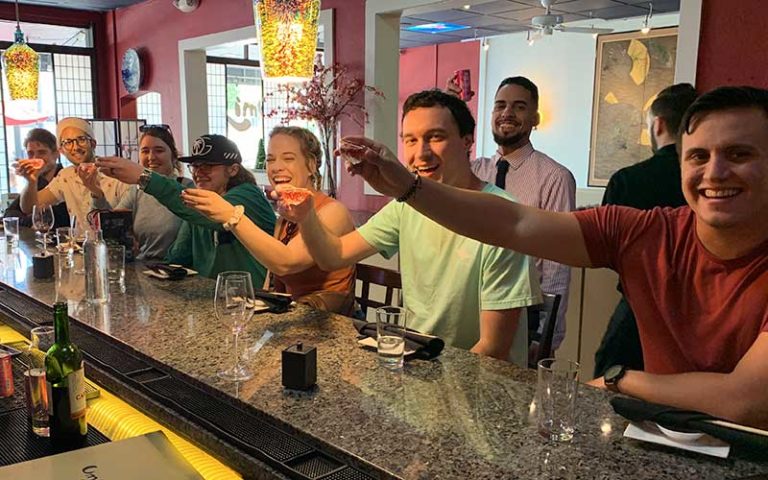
(233, 304)
(42, 221)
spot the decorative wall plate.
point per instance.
(132, 70)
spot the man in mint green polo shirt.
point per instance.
(469, 293)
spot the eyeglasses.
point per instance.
(204, 167)
(157, 126)
(81, 141)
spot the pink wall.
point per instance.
(431, 67)
(136, 27)
(733, 45)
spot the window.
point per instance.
(65, 89)
(239, 102)
(149, 107)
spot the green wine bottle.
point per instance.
(65, 380)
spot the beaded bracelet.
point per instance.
(414, 186)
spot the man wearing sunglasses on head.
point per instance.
(77, 185)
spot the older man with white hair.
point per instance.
(77, 185)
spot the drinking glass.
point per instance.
(11, 228)
(390, 336)
(233, 305)
(42, 221)
(116, 266)
(65, 246)
(556, 392)
(35, 389)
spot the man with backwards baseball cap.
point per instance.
(77, 185)
(201, 244)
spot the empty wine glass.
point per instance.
(42, 221)
(233, 302)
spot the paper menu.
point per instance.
(114, 460)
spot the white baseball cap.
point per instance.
(73, 122)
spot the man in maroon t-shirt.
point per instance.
(696, 276)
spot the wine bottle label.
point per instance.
(76, 389)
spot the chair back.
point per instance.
(369, 274)
(543, 315)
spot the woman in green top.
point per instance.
(201, 244)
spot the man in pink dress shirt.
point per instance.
(530, 176)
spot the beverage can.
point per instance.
(464, 83)
(6, 375)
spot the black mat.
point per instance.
(21, 445)
(16, 400)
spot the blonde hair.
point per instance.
(310, 148)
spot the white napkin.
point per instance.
(649, 432)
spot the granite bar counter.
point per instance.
(461, 416)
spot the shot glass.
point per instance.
(556, 393)
(11, 228)
(116, 266)
(390, 336)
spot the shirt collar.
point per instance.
(517, 157)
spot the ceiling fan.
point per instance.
(546, 24)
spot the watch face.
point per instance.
(613, 372)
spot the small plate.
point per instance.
(680, 436)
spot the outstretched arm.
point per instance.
(551, 235)
(269, 251)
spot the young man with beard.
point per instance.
(76, 185)
(695, 276)
(531, 177)
(654, 182)
(41, 144)
(466, 292)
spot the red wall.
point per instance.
(70, 18)
(733, 44)
(137, 27)
(431, 67)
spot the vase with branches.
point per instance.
(331, 94)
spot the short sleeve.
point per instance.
(609, 231)
(382, 231)
(509, 280)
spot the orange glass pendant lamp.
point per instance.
(287, 37)
(22, 66)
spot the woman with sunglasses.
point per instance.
(206, 246)
(293, 159)
(154, 226)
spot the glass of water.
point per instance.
(116, 266)
(11, 228)
(390, 336)
(35, 388)
(556, 392)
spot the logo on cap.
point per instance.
(201, 147)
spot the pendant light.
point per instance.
(287, 37)
(22, 66)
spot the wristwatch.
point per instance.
(612, 377)
(144, 178)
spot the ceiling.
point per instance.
(495, 17)
(98, 5)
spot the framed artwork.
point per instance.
(630, 70)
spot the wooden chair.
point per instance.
(549, 307)
(389, 279)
